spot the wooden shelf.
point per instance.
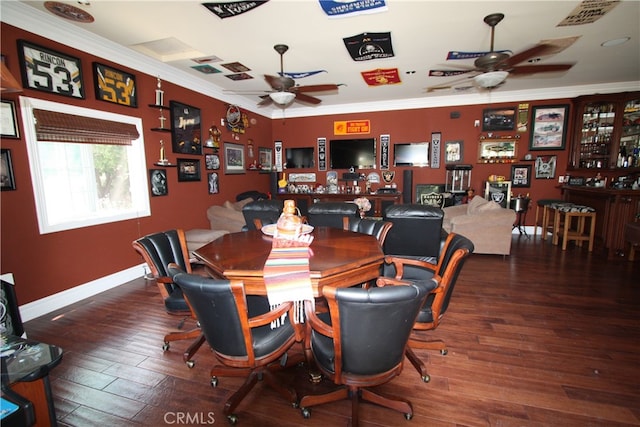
(161, 130)
(167, 165)
(162, 107)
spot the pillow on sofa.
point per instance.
(237, 206)
(489, 206)
(475, 204)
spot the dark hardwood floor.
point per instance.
(540, 338)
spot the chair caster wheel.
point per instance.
(295, 405)
(306, 413)
(426, 378)
(214, 382)
(191, 363)
(408, 416)
(166, 346)
(444, 351)
(233, 419)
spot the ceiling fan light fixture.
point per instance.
(490, 79)
(282, 98)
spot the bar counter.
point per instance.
(614, 208)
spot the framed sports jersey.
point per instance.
(50, 71)
(115, 86)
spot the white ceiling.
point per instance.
(422, 31)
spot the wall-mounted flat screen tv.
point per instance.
(301, 158)
(352, 153)
(411, 154)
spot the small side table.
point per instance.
(25, 370)
(521, 206)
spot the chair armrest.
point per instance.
(315, 322)
(400, 262)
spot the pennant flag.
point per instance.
(447, 73)
(368, 46)
(301, 75)
(379, 77)
(468, 55)
(342, 8)
(232, 8)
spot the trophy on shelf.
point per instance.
(160, 102)
(163, 159)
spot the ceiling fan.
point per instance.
(285, 89)
(492, 68)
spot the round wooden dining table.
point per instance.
(339, 258)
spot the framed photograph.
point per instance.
(546, 167)
(50, 71)
(214, 184)
(549, 130)
(265, 158)
(497, 150)
(452, 152)
(7, 181)
(212, 161)
(158, 180)
(498, 119)
(233, 158)
(8, 120)
(188, 170)
(521, 175)
(115, 86)
(186, 132)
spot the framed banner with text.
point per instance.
(50, 71)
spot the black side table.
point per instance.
(521, 206)
(25, 371)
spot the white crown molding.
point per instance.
(30, 19)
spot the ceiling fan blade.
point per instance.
(315, 88)
(448, 85)
(266, 100)
(542, 68)
(279, 83)
(514, 60)
(308, 99)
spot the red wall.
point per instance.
(47, 264)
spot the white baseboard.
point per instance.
(61, 299)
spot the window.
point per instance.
(96, 179)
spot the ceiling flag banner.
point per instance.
(232, 8)
(384, 152)
(342, 8)
(301, 75)
(368, 46)
(588, 11)
(381, 77)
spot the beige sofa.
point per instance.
(484, 222)
(223, 219)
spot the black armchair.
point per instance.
(158, 250)
(239, 331)
(372, 227)
(417, 231)
(361, 342)
(331, 214)
(261, 212)
(457, 249)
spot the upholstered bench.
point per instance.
(632, 235)
(565, 214)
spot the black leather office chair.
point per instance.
(261, 212)
(239, 332)
(158, 250)
(361, 342)
(331, 214)
(378, 229)
(457, 249)
(417, 231)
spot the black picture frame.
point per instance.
(496, 119)
(188, 170)
(7, 180)
(186, 129)
(212, 161)
(549, 127)
(49, 71)
(213, 182)
(9, 120)
(115, 86)
(521, 175)
(158, 182)
(546, 167)
(453, 152)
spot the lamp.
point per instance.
(282, 98)
(490, 79)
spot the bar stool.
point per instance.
(566, 213)
(544, 204)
